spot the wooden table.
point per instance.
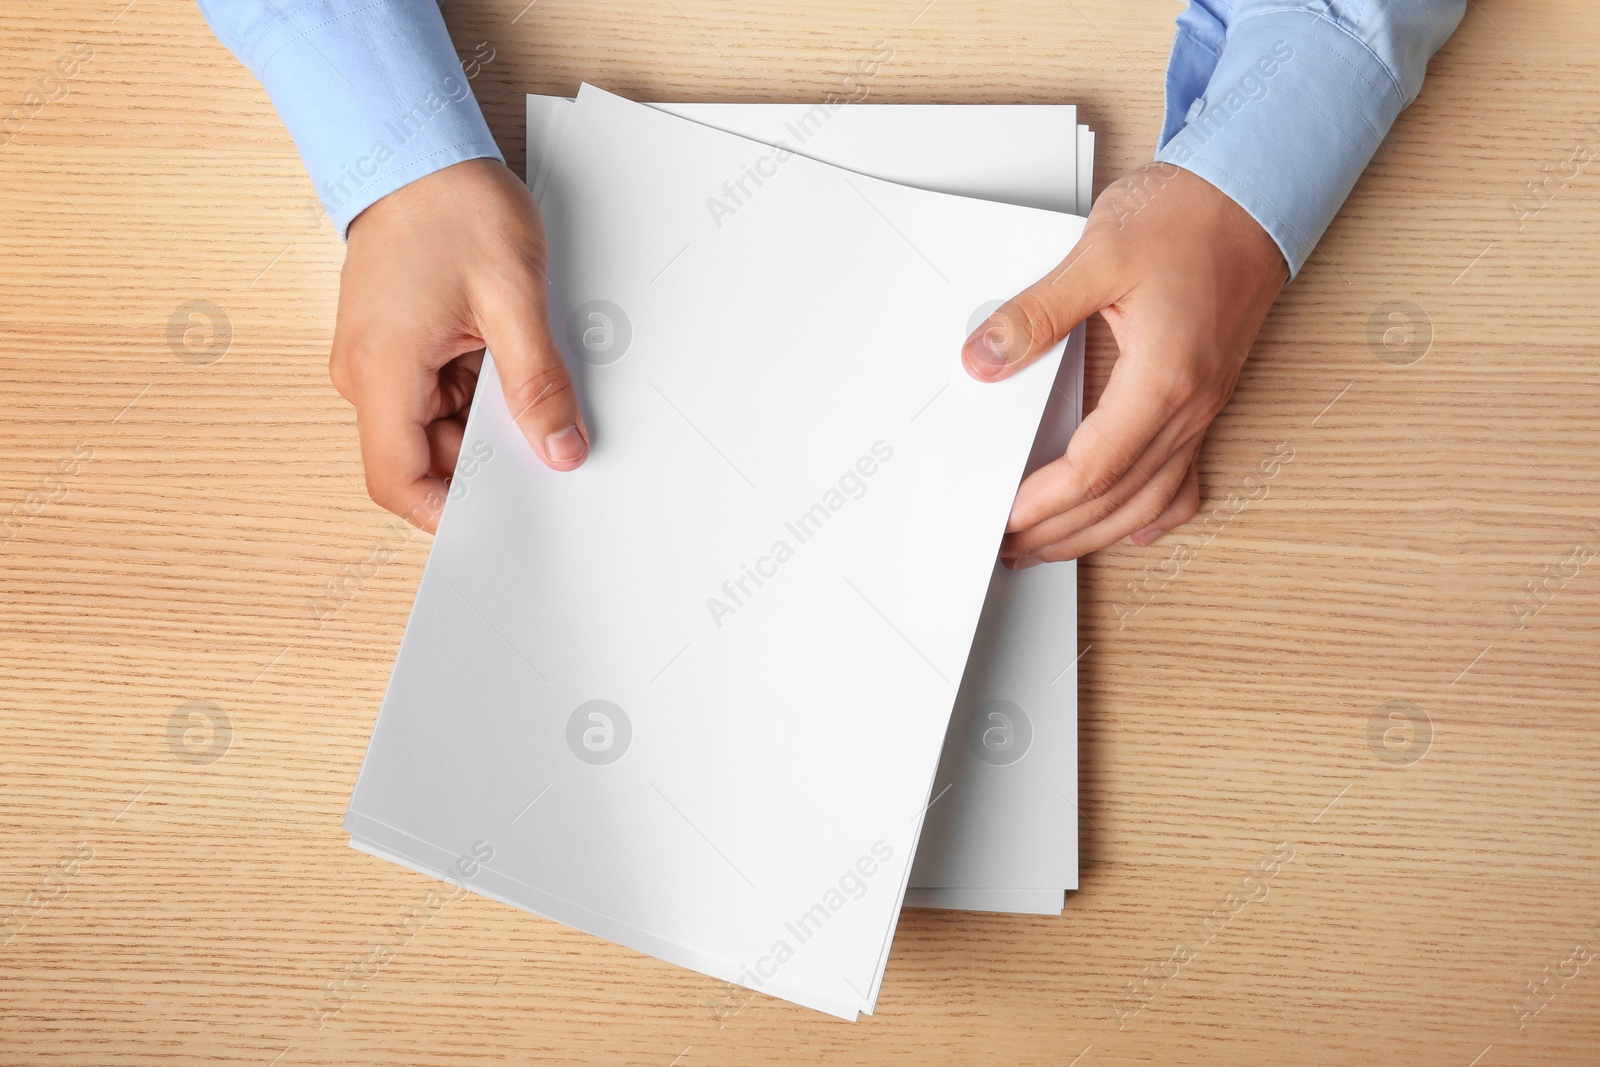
(1379, 675)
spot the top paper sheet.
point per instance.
(1001, 833)
(691, 696)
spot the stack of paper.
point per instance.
(692, 696)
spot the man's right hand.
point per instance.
(436, 272)
(1184, 277)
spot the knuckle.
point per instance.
(381, 492)
(1215, 400)
(339, 374)
(359, 360)
(1030, 541)
(1148, 514)
(546, 389)
(1186, 505)
(1032, 322)
(1187, 380)
(1098, 481)
(1103, 508)
(1072, 546)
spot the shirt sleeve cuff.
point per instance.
(373, 95)
(1290, 118)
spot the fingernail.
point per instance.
(1144, 537)
(1024, 562)
(986, 352)
(567, 446)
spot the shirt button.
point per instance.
(1194, 109)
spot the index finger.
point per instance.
(1038, 318)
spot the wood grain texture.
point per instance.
(177, 911)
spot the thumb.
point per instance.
(536, 385)
(1037, 319)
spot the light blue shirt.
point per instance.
(1279, 104)
(370, 90)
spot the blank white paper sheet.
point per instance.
(1001, 832)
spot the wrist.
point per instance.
(466, 177)
(1246, 241)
